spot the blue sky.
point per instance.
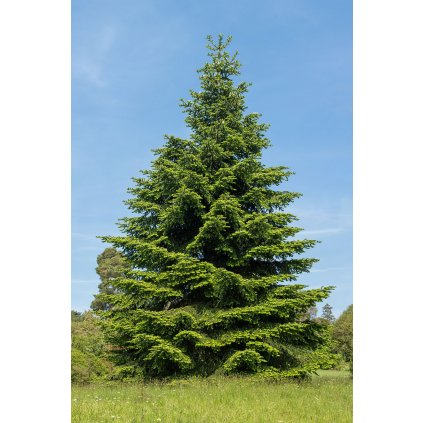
(133, 60)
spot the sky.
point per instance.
(132, 62)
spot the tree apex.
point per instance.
(221, 43)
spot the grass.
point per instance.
(326, 398)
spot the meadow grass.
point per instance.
(325, 398)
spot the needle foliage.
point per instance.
(213, 253)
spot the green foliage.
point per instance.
(164, 359)
(211, 249)
(88, 356)
(87, 367)
(76, 316)
(325, 358)
(343, 335)
(248, 361)
(110, 265)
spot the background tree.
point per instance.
(327, 313)
(310, 314)
(211, 249)
(76, 316)
(343, 335)
(110, 265)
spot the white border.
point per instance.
(35, 213)
(388, 113)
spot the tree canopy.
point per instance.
(111, 264)
(214, 254)
(343, 334)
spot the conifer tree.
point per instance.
(214, 263)
(327, 313)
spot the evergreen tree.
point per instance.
(327, 313)
(210, 244)
(110, 265)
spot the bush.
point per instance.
(88, 356)
(86, 367)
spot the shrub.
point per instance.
(88, 355)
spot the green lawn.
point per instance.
(326, 398)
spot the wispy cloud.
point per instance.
(85, 243)
(84, 281)
(328, 269)
(333, 220)
(89, 60)
(86, 248)
(89, 71)
(324, 231)
(80, 235)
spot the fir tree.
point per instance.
(328, 314)
(212, 250)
